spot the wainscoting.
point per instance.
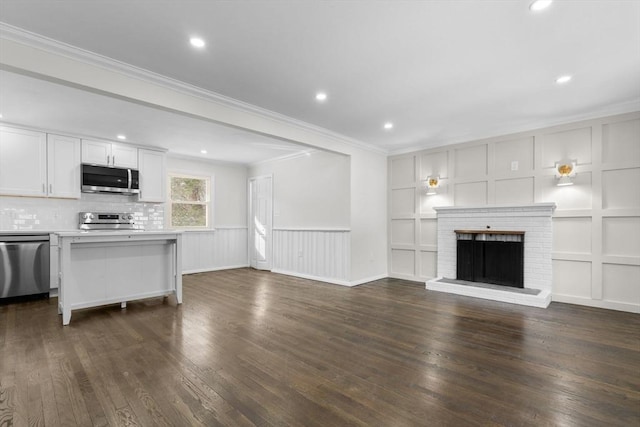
(209, 250)
(318, 254)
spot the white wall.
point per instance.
(368, 217)
(315, 198)
(596, 241)
(311, 190)
(311, 215)
(229, 188)
(225, 246)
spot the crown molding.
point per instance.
(37, 41)
(632, 106)
(291, 156)
(207, 160)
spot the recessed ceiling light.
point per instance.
(123, 137)
(388, 126)
(321, 96)
(203, 151)
(564, 79)
(539, 5)
(197, 42)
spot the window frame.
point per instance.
(209, 179)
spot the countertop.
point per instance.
(76, 232)
(127, 233)
(28, 232)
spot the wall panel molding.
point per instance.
(211, 250)
(604, 203)
(322, 255)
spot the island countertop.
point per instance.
(119, 233)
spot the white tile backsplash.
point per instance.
(28, 213)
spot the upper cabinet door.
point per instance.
(124, 156)
(152, 176)
(96, 152)
(109, 154)
(63, 166)
(23, 162)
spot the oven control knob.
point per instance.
(88, 215)
(129, 217)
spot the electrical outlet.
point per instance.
(299, 254)
(514, 165)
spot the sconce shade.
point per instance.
(564, 180)
(432, 183)
(565, 171)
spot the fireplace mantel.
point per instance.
(507, 232)
(534, 220)
(542, 208)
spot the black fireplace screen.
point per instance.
(491, 258)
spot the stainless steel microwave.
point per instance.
(103, 179)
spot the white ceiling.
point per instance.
(54, 107)
(441, 71)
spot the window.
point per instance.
(189, 201)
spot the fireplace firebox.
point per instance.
(490, 256)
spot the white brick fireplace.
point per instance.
(534, 220)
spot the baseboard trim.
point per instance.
(408, 277)
(609, 305)
(204, 270)
(311, 277)
(368, 279)
(331, 280)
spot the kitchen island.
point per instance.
(106, 267)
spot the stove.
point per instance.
(105, 221)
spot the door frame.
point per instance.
(250, 228)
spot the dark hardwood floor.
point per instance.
(255, 348)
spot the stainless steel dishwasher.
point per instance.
(24, 265)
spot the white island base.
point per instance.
(100, 268)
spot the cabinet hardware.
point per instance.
(50, 188)
(43, 190)
(113, 161)
(108, 159)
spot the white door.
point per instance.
(260, 218)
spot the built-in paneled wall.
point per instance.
(313, 253)
(219, 249)
(596, 225)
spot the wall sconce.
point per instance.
(433, 182)
(565, 171)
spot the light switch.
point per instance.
(514, 165)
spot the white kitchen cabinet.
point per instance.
(109, 154)
(63, 166)
(23, 162)
(124, 156)
(152, 175)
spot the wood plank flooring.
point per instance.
(251, 348)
